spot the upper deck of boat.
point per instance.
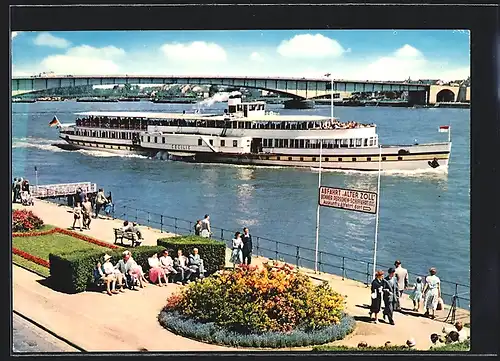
(270, 117)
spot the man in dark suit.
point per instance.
(390, 294)
(247, 246)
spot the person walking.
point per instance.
(432, 292)
(86, 213)
(247, 246)
(390, 295)
(237, 255)
(206, 231)
(376, 295)
(14, 190)
(77, 216)
(402, 282)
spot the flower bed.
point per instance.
(31, 258)
(272, 306)
(25, 221)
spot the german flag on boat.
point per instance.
(54, 122)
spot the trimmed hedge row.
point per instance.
(211, 333)
(212, 252)
(74, 272)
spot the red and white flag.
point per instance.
(444, 128)
(54, 122)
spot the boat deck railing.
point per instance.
(300, 256)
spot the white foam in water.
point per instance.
(104, 154)
(47, 147)
(430, 172)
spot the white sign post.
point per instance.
(353, 200)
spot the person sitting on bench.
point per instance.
(196, 264)
(132, 227)
(109, 275)
(181, 266)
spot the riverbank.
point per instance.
(34, 298)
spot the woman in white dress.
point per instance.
(237, 254)
(432, 292)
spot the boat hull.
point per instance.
(438, 162)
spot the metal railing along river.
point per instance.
(300, 256)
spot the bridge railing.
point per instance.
(300, 256)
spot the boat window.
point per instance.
(211, 123)
(211, 141)
(241, 125)
(285, 143)
(142, 138)
(358, 142)
(222, 143)
(366, 142)
(281, 143)
(272, 125)
(371, 142)
(264, 142)
(294, 126)
(163, 140)
(254, 125)
(304, 125)
(240, 107)
(330, 144)
(149, 139)
(307, 144)
(301, 143)
(235, 143)
(248, 125)
(200, 142)
(156, 139)
(276, 143)
(233, 125)
(351, 143)
(344, 143)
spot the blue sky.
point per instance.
(347, 54)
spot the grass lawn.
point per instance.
(42, 246)
(20, 261)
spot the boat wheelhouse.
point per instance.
(248, 134)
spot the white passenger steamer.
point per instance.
(247, 134)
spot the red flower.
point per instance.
(31, 258)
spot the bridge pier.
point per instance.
(299, 104)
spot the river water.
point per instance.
(424, 216)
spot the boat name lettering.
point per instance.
(180, 147)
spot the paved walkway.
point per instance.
(135, 325)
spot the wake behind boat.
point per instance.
(248, 134)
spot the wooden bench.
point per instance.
(129, 235)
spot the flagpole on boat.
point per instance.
(378, 208)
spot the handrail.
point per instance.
(271, 248)
(178, 225)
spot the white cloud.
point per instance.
(47, 39)
(310, 46)
(85, 60)
(14, 34)
(197, 51)
(256, 57)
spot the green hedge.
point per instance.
(74, 272)
(212, 252)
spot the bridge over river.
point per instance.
(300, 89)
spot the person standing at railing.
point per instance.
(206, 231)
(237, 254)
(247, 246)
(197, 228)
(100, 201)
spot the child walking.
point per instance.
(416, 295)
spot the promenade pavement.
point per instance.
(135, 325)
